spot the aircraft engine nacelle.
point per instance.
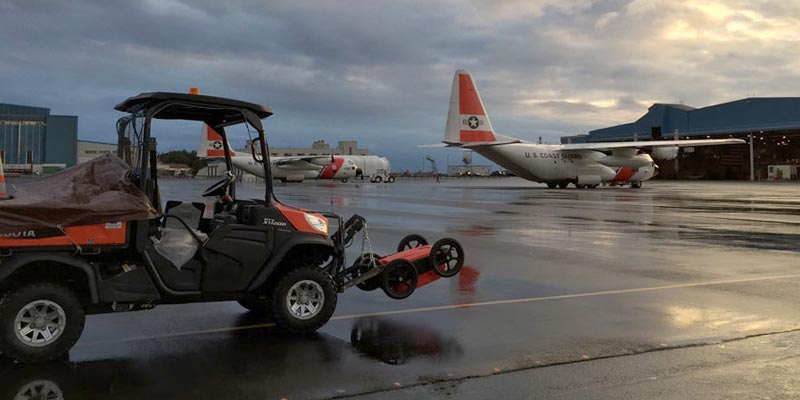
(589, 180)
(624, 160)
(322, 161)
(665, 152)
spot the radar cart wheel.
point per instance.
(399, 279)
(447, 257)
(411, 241)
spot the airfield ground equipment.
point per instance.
(95, 239)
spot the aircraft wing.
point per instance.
(469, 144)
(318, 160)
(649, 143)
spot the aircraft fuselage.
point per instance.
(551, 163)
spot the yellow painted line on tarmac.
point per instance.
(451, 307)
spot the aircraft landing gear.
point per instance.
(636, 185)
(344, 180)
(551, 185)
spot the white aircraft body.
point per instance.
(582, 164)
(300, 168)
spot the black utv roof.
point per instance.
(193, 107)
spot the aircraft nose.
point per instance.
(656, 170)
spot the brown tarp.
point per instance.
(94, 192)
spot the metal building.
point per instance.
(772, 122)
(321, 148)
(32, 136)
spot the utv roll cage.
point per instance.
(216, 112)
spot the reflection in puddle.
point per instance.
(40, 390)
(395, 343)
(715, 318)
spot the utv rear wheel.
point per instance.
(304, 299)
(40, 322)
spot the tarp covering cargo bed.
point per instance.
(94, 192)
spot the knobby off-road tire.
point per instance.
(39, 322)
(304, 299)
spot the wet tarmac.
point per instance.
(553, 277)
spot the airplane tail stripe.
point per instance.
(469, 102)
(477, 136)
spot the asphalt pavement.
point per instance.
(567, 293)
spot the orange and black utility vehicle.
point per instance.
(98, 238)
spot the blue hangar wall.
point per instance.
(737, 118)
(31, 135)
(774, 123)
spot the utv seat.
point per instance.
(190, 213)
(177, 245)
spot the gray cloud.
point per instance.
(380, 71)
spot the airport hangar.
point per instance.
(773, 122)
(32, 139)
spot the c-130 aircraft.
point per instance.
(586, 165)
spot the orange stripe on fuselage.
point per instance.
(468, 103)
(331, 169)
(624, 174)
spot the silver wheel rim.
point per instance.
(40, 323)
(305, 299)
(43, 389)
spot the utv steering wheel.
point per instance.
(220, 188)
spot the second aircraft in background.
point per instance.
(300, 168)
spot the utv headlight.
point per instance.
(319, 224)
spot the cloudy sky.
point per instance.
(380, 71)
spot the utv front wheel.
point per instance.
(40, 322)
(304, 299)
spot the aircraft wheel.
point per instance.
(399, 279)
(563, 185)
(344, 180)
(580, 186)
(411, 241)
(551, 185)
(447, 257)
(378, 179)
(636, 185)
(390, 179)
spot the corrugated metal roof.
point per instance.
(740, 116)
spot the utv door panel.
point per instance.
(234, 254)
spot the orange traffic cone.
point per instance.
(3, 192)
